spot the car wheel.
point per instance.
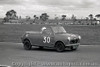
(60, 46)
(27, 45)
(73, 48)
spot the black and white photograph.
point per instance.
(49, 33)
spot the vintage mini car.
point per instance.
(51, 36)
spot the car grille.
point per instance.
(74, 41)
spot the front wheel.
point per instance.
(60, 46)
(27, 45)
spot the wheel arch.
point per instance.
(59, 41)
(26, 39)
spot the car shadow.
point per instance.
(50, 50)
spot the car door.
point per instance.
(47, 37)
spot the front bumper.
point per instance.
(76, 44)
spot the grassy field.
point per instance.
(13, 32)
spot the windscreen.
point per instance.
(59, 29)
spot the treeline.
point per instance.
(11, 17)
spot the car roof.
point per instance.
(51, 26)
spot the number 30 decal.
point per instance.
(46, 39)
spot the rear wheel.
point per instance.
(60, 46)
(27, 45)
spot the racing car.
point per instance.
(51, 36)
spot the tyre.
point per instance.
(27, 45)
(60, 47)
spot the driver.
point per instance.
(43, 28)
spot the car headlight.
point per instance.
(79, 37)
(26, 35)
(69, 38)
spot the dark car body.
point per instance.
(50, 36)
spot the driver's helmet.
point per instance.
(43, 28)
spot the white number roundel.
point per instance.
(46, 39)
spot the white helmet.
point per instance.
(43, 28)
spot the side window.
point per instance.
(47, 31)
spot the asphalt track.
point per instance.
(14, 55)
